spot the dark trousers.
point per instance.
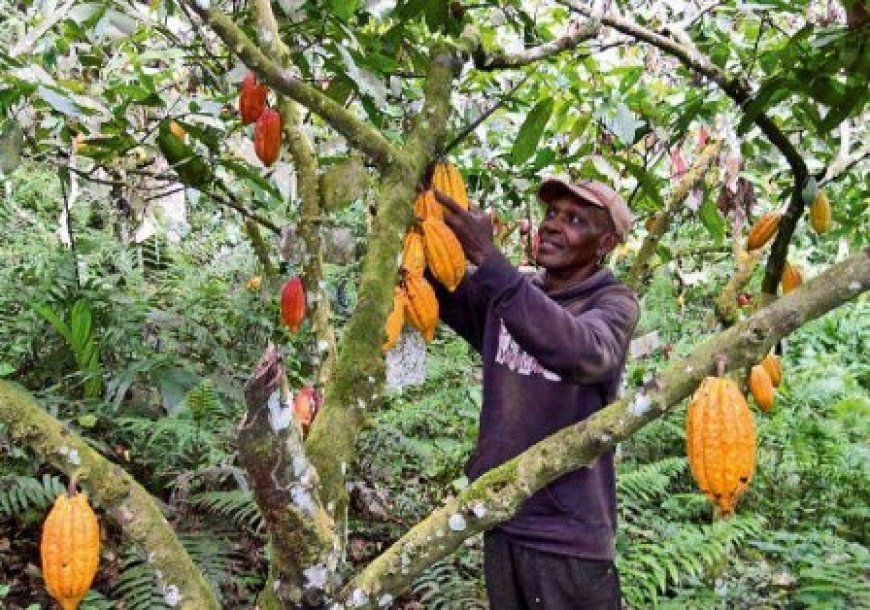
(520, 578)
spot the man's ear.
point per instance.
(607, 243)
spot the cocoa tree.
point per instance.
(329, 72)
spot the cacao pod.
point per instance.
(267, 137)
(447, 179)
(791, 278)
(70, 549)
(720, 441)
(253, 284)
(444, 253)
(421, 308)
(192, 169)
(820, 213)
(761, 387)
(177, 130)
(293, 303)
(763, 230)
(396, 319)
(252, 99)
(426, 206)
(773, 368)
(414, 254)
(305, 407)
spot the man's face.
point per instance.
(574, 235)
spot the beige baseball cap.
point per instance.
(594, 193)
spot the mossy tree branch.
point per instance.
(284, 483)
(639, 269)
(498, 60)
(741, 92)
(360, 134)
(110, 487)
(497, 495)
(309, 225)
(359, 372)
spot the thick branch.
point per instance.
(360, 135)
(360, 368)
(127, 502)
(496, 495)
(284, 484)
(571, 40)
(638, 272)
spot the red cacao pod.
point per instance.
(267, 137)
(293, 303)
(252, 99)
(305, 406)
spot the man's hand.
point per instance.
(472, 228)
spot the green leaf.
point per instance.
(344, 9)
(646, 180)
(253, 175)
(531, 132)
(712, 220)
(59, 102)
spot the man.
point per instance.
(553, 350)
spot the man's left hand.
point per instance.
(473, 228)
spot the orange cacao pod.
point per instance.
(763, 230)
(252, 99)
(443, 253)
(293, 303)
(421, 308)
(791, 278)
(426, 206)
(773, 368)
(447, 179)
(413, 253)
(820, 213)
(70, 549)
(761, 387)
(267, 137)
(396, 319)
(720, 441)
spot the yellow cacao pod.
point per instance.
(763, 230)
(443, 253)
(70, 549)
(447, 179)
(761, 387)
(414, 254)
(426, 206)
(396, 319)
(421, 308)
(720, 441)
(820, 213)
(773, 368)
(791, 278)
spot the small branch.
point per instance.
(485, 115)
(109, 486)
(498, 494)
(571, 40)
(228, 202)
(639, 269)
(358, 133)
(726, 303)
(842, 165)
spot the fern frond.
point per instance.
(237, 505)
(19, 494)
(686, 552)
